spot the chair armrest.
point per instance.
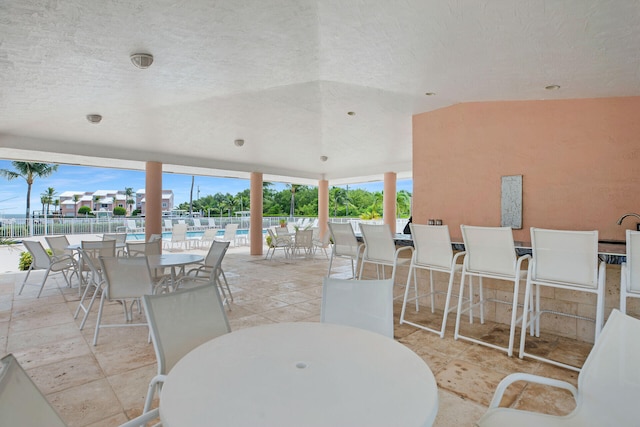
(404, 248)
(198, 279)
(142, 419)
(521, 259)
(198, 270)
(510, 379)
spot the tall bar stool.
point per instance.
(563, 260)
(630, 270)
(380, 250)
(432, 252)
(491, 254)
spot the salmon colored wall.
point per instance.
(580, 161)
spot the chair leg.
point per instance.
(44, 280)
(24, 282)
(154, 385)
(95, 335)
(406, 294)
(432, 295)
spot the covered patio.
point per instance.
(106, 384)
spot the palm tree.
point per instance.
(193, 179)
(43, 200)
(29, 172)
(403, 203)
(96, 199)
(292, 207)
(56, 204)
(128, 192)
(76, 199)
(48, 195)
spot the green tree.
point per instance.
(96, 199)
(84, 210)
(29, 172)
(403, 203)
(119, 211)
(48, 197)
(292, 208)
(76, 199)
(128, 192)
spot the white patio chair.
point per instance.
(197, 226)
(168, 225)
(178, 238)
(491, 254)
(302, 244)
(179, 322)
(562, 260)
(320, 243)
(432, 252)
(380, 250)
(121, 241)
(365, 304)
(630, 270)
(608, 389)
(41, 260)
(59, 246)
(132, 227)
(124, 279)
(229, 234)
(22, 404)
(345, 245)
(276, 242)
(145, 249)
(207, 238)
(90, 253)
(211, 271)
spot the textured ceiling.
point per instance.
(282, 75)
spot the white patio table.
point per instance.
(300, 374)
(172, 261)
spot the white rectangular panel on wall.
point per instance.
(511, 201)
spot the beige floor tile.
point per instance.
(105, 385)
(473, 382)
(66, 373)
(454, 410)
(86, 403)
(37, 337)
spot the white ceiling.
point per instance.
(282, 75)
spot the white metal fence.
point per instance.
(17, 228)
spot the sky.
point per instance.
(82, 178)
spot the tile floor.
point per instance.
(106, 384)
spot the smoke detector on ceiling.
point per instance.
(142, 60)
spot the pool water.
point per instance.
(190, 234)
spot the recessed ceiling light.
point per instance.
(94, 118)
(324, 158)
(351, 113)
(430, 93)
(142, 60)
(552, 87)
(238, 142)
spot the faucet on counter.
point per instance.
(626, 215)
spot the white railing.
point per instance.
(18, 228)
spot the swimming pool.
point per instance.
(190, 234)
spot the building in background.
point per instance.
(103, 201)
